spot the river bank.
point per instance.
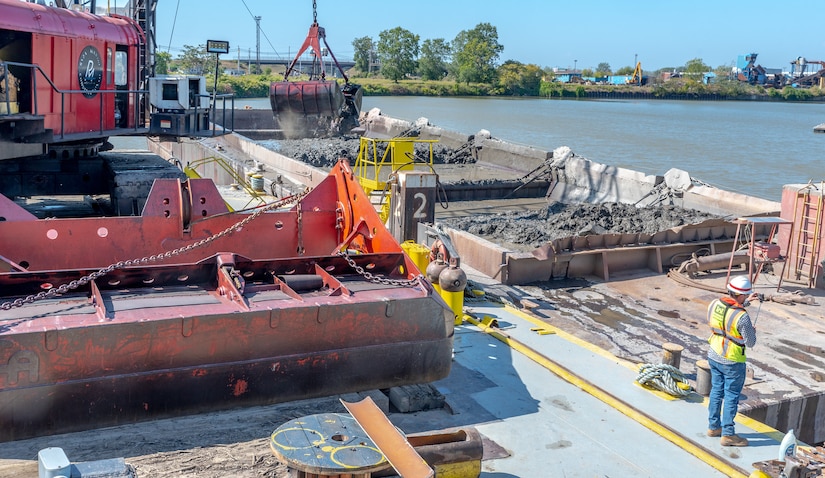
(252, 86)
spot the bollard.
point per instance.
(256, 181)
(672, 354)
(703, 378)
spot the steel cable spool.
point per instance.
(663, 377)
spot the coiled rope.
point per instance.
(664, 377)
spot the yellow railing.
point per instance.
(191, 172)
(380, 159)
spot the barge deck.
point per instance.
(533, 418)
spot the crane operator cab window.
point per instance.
(121, 82)
(120, 69)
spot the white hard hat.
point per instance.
(740, 285)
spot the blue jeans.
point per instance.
(726, 381)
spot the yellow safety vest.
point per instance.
(726, 340)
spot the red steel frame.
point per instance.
(226, 324)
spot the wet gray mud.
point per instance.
(521, 230)
(325, 152)
(531, 229)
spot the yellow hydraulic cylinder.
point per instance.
(456, 302)
(418, 254)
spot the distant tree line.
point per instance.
(398, 62)
(471, 57)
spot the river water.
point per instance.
(748, 147)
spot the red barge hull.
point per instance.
(311, 301)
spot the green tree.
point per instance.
(434, 58)
(475, 54)
(587, 72)
(603, 70)
(196, 61)
(551, 89)
(509, 77)
(518, 79)
(397, 52)
(625, 70)
(162, 60)
(695, 69)
(724, 71)
(364, 49)
(732, 88)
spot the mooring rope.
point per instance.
(664, 377)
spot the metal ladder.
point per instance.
(143, 12)
(806, 242)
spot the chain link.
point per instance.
(146, 260)
(379, 279)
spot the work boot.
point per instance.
(734, 440)
(714, 432)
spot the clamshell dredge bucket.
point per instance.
(303, 108)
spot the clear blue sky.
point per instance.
(548, 33)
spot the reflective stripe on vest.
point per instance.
(726, 340)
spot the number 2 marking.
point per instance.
(420, 213)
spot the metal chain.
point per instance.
(379, 279)
(314, 12)
(145, 260)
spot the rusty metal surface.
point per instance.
(178, 215)
(596, 255)
(399, 452)
(458, 447)
(125, 351)
(213, 327)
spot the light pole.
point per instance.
(258, 44)
(575, 62)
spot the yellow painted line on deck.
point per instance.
(564, 373)
(572, 338)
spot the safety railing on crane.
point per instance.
(138, 126)
(36, 70)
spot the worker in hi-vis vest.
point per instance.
(732, 332)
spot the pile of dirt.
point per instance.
(520, 230)
(325, 152)
(231, 443)
(529, 230)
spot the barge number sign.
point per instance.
(90, 71)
